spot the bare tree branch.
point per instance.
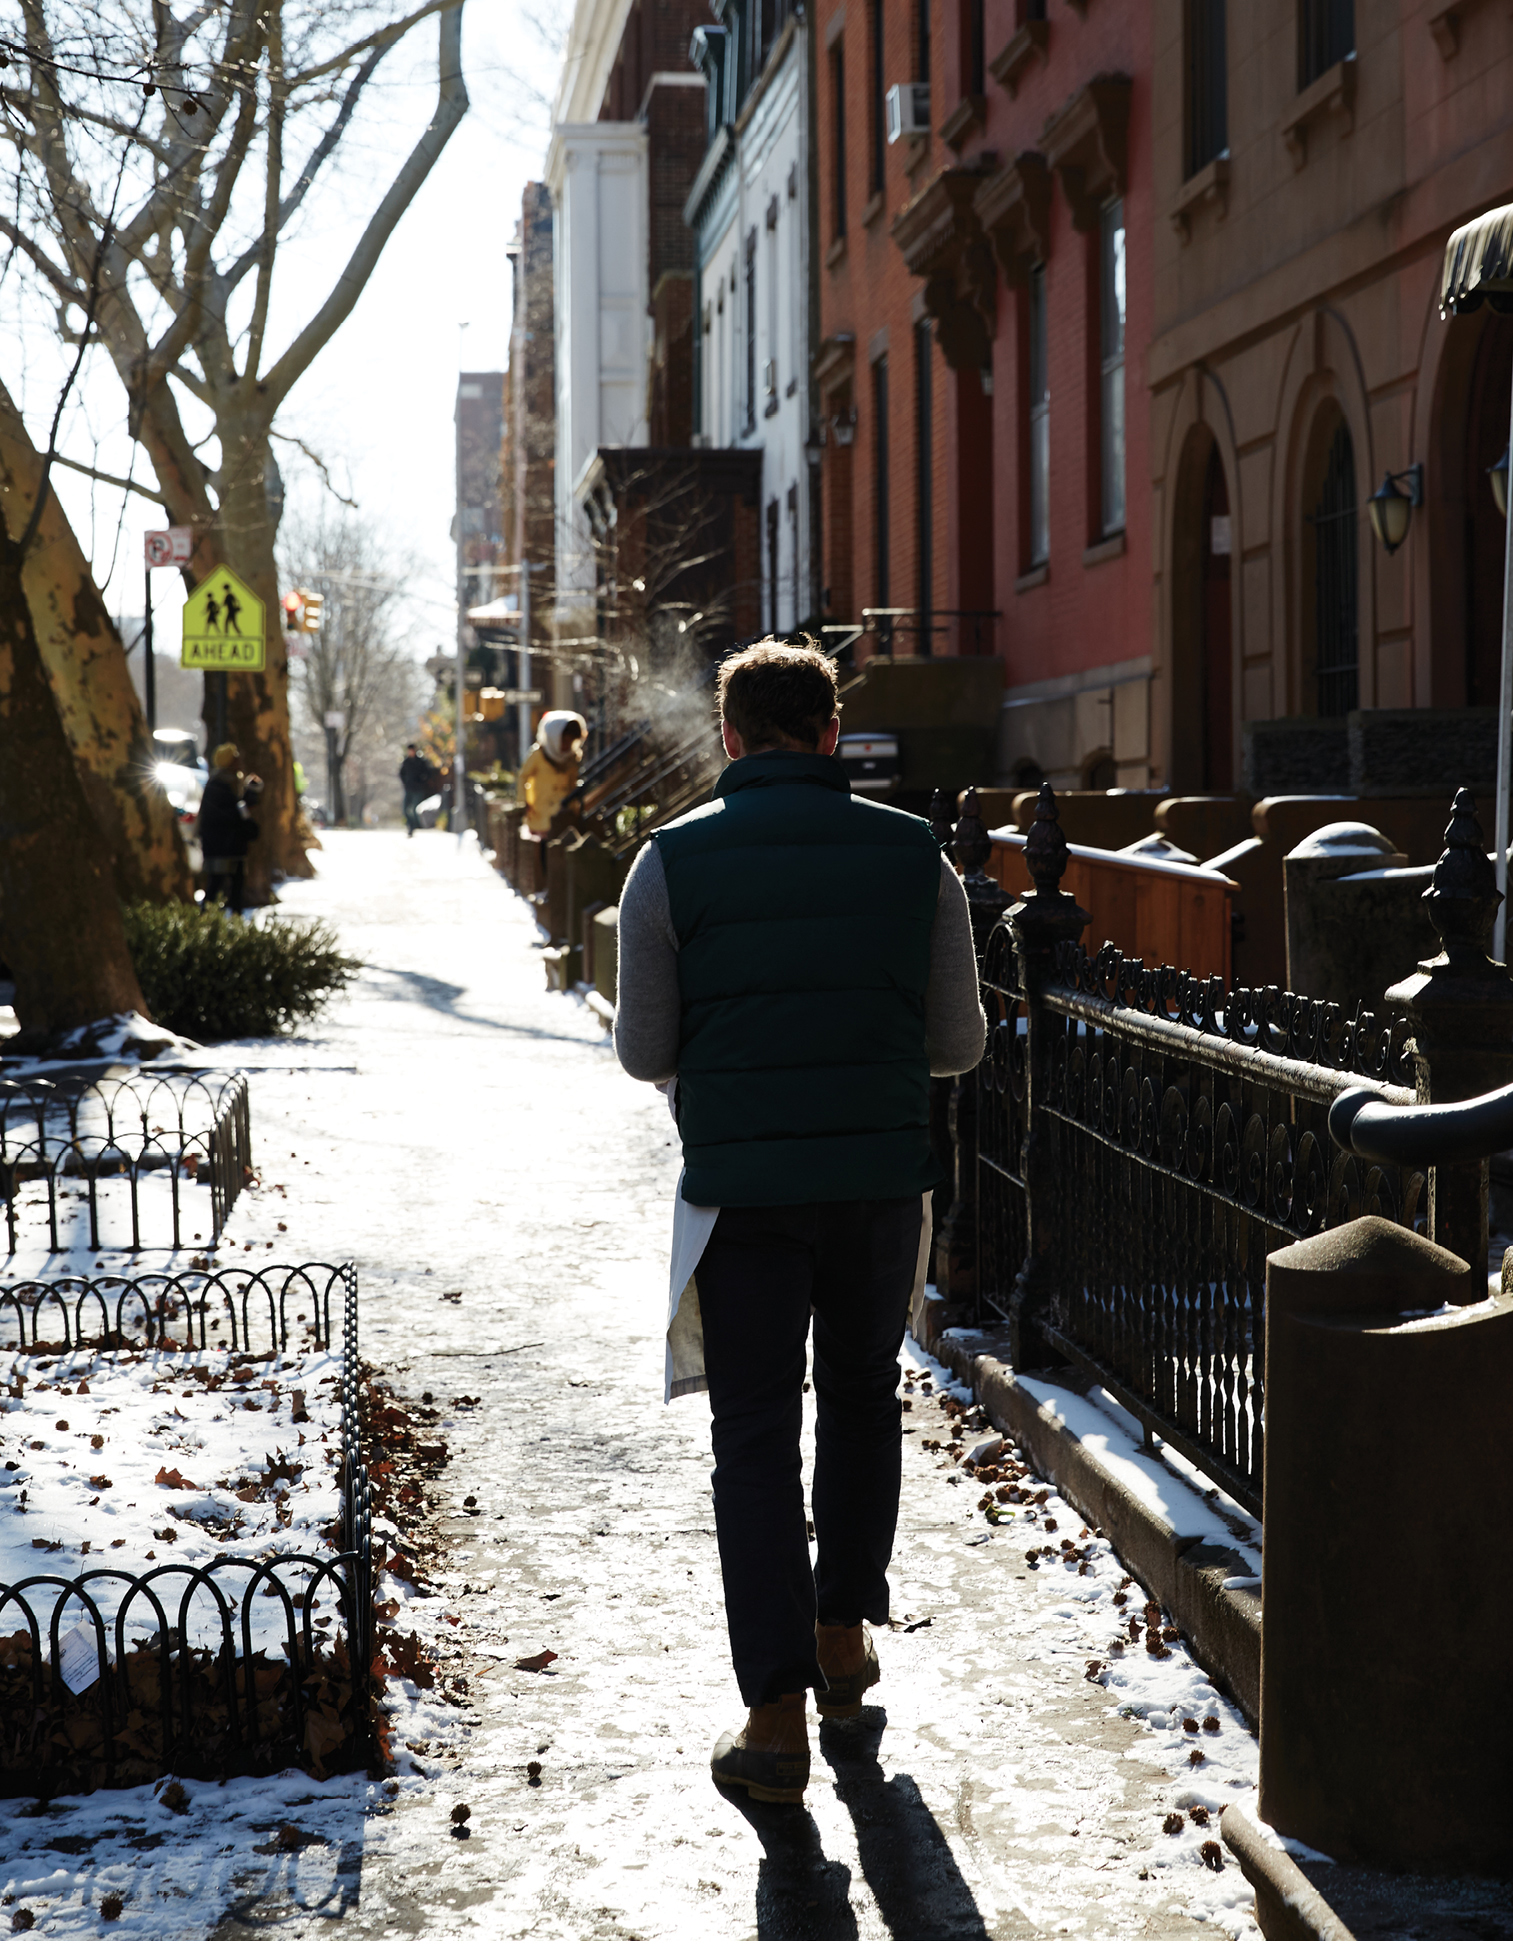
(256, 252)
(385, 37)
(451, 106)
(60, 280)
(319, 464)
(109, 479)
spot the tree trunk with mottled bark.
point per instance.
(60, 921)
(257, 706)
(91, 683)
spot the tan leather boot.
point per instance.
(848, 1661)
(769, 1757)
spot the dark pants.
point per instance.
(764, 1271)
(413, 801)
(225, 877)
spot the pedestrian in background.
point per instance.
(549, 774)
(795, 963)
(227, 827)
(418, 781)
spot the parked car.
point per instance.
(181, 773)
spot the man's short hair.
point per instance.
(773, 694)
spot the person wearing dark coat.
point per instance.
(795, 964)
(418, 781)
(227, 827)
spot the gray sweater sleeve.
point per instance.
(955, 1028)
(648, 1008)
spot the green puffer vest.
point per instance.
(803, 917)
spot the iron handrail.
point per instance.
(1378, 1125)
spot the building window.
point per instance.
(1111, 291)
(1207, 84)
(977, 47)
(838, 125)
(879, 129)
(1326, 34)
(922, 40)
(1038, 412)
(924, 480)
(880, 478)
(751, 334)
(1335, 570)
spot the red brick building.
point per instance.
(980, 371)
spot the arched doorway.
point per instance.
(1485, 534)
(1331, 570)
(1203, 729)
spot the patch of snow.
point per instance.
(1161, 1694)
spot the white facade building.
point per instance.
(749, 211)
(597, 175)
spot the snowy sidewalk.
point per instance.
(454, 1127)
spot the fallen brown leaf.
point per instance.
(537, 1663)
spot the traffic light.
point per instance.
(310, 619)
(293, 607)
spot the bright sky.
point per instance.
(377, 404)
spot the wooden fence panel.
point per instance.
(1166, 914)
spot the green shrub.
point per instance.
(210, 976)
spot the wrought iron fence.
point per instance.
(199, 1694)
(186, 1128)
(1145, 1140)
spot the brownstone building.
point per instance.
(1310, 162)
(528, 456)
(986, 212)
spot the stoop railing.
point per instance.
(1144, 1140)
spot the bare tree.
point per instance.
(226, 116)
(359, 666)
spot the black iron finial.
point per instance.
(1463, 896)
(1045, 852)
(940, 819)
(973, 846)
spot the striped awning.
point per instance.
(1479, 264)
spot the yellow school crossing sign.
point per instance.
(223, 625)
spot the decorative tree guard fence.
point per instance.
(138, 1149)
(242, 1664)
(1145, 1139)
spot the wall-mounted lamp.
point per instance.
(1498, 475)
(843, 425)
(814, 445)
(1391, 508)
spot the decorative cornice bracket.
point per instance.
(1210, 185)
(1030, 44)
(1014, 207)
(1086, 142)
(941, 240)
(1333, 93)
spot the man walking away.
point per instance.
(227, 827)
(415, 779)
(799, 961)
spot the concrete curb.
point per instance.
(1287, 1905)
(1183, 1571)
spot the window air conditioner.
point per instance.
(908, 104)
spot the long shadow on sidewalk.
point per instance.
(904, 1854)
(905, 1858)
(800, 1892)
(442, 997)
